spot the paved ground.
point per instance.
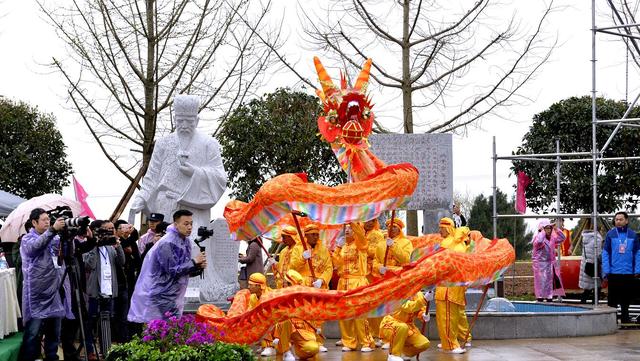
(624, 345)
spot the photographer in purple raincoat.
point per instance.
(162, 284)
(44, 302)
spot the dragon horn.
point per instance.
(343, 81)
(363, 78)
(325, 80)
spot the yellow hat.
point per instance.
(257, 279)
(311, 228)
(446, 222)
(293, 277)
(397, 221)
(289, 231)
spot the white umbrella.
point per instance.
(14, 224)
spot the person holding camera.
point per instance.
(102, 286)
(160, 290)
(160, 231)
(45, 301)
(152, 222)
(252, 262)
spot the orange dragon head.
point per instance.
(347, 115)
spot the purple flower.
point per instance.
(183, 330)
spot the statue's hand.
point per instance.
(138, 205)
(187, 169)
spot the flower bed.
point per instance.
(178, 339)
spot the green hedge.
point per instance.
(138, 350)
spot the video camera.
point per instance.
(204, 232)
(74, 225)
(105, 237)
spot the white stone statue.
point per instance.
(186, 170)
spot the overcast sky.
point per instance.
(27, 42)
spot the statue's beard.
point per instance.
(185, 131)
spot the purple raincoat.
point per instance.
(545, 265)
(162, 283)
(40, 291)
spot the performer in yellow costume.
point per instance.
(399, 249)
(258, 288)
(290, 239)
(375, 237)
(462, 236)
(298, 333)
(320, 259)
(450, 301)
(399, 329)
(350, 257)
(398, 254)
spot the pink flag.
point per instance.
(81, 196)
(521, 199)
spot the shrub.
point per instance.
(179, 339)
(138, 350)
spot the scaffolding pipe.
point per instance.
(617, 27)
(532, 159)
(619, 34)
(606, 144)
(563, 215)
(611, 159)
(495, 192)
(543, 155)
(628, 125)
(594, 150)
(495, 208)
(621, 120)
(558, 204)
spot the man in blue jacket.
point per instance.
(621, 263)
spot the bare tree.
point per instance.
(129, 58)
(431, 52)
(450, 66)
(624, 13)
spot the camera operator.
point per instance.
(102, 288)
(132, 262)
(44, 302)
(82, 243)
(160, 231)
(152, 222)
(160, 290)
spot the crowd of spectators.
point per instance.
(102, 264)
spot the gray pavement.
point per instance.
(624, 345)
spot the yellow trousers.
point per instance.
(304, 347)
(404, 339)
(448, 320)
(374, 325)
(283, 332)
(463, 326)
(304, 341)
(354, 332)
(319, 337)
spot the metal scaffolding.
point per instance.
(596, 155)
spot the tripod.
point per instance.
(72, 251)
(74, 280)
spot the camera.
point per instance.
(77, 225)
(204, 232)
(60, 212)
(105, 237)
